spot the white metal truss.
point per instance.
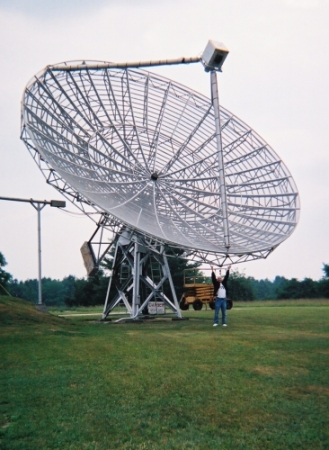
(132, 148)
(140, 285)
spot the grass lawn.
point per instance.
(75, 383)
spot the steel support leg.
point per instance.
(221, 174)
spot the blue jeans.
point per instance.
(220, 304)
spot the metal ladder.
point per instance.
(156, 275)
(124, 273)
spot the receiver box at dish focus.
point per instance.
(214, 56)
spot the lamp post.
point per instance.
(38, 205)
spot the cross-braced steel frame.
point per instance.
(140, 284)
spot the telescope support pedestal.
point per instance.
(135, 279)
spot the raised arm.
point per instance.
(213, 276)
(227, 273)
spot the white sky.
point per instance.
(275, 79)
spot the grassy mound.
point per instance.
(14, 311)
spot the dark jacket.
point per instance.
(215, 282)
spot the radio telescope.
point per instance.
(160, 166)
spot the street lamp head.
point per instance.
(57, 203)
(214, 56)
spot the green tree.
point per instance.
(177, 267)
(326, 270)
(240, 287)
(289, 289)
(5, 277)
(264, 289)
(324, 282)
(54, 292)
(88, 292)
(81, 296)
(294, 289)
(68, 288)
(278, 284)
(309, 288)
(27, 290)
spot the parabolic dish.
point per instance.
(143, 149)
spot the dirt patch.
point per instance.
(281, 371)
(322, 391)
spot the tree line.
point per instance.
(91, 291)
(245, 288)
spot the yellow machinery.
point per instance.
(198, 290)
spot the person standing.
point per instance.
(220, 292)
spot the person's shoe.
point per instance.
(224, 325)
(215, 325)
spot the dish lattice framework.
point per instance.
(139, 151)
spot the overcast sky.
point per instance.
(275, 79)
